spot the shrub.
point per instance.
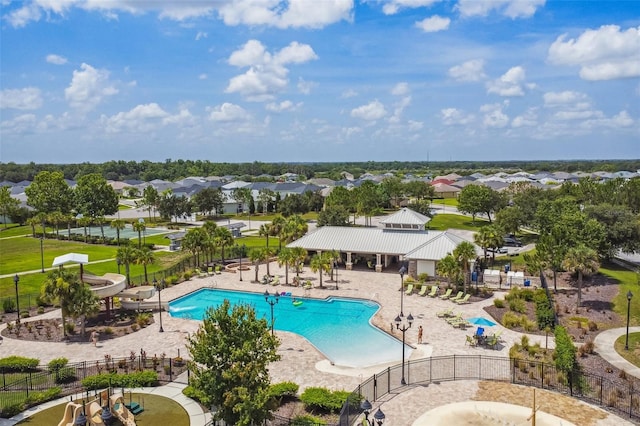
(65, 375)
(16, 363)
(283, 390)
(36, 398)
(56, 364)
(498, 303)
(11, 410)
(592, 326)
(565, 352)
(131, 380)
(318, 399)
(518, 305)
(70, 327)
(527, 294)
(40, 310)
(423, 277)
(307, 420)
(8, 306)
(511, 320)
(187, 275)
(195, 394)
(107, 331)
(524, 342)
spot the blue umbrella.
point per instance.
(481, 321)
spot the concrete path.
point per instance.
(604, 346)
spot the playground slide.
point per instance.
(71, 412)
(95, 414)
(119, 410)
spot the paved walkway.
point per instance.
(301, 362)
(604, 346)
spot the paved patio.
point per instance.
(301, 362)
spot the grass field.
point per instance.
(633, 354)
(628, 281)
(157, 410)
(442, 222)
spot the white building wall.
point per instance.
(426, 266)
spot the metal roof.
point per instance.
(438, 247)
(406, 216)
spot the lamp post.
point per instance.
(629, 296)
(16, 279)
(241, 254)
(405, 326)
(378, 417)
(159, 286)
(335, 266)
(402, 271)
(272, 301)
(42, 254)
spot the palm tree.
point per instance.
(223, 238)
(286, 257)
(193, 242)
(256, 256)
(58, 286)
(295, 227)
(583, 261)
(299, 255)
(489, 237)
(126, 255)
(32, 222)
(264, 231)
(448, 267)
(321, 263)
(464, 252)
(118, 225)
(84, 303)
(139, 226)
(84, 221)
(56, 218)
(144, 257)
(210, 242)
(277, 229)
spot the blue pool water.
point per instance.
(339, 328)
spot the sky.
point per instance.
(319, 80)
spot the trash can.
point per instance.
(506, 268)
(527, 283)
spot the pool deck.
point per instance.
(301, 362)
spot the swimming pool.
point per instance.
(339, 328)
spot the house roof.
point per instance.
(406, 216)
(443, 187)
(438, 247)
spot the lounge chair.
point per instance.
(455, 319)
(275, 281)
(457, 296)
(210, 271)
(423, 290)
(471, 341)
(433, 292)
(464, 300)
(447, 294)
(218, 269)
(409, 289)
(445, 314)
(498, 335)
(492, 342)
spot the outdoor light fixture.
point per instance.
(629, 296)
(272, 301)
(378, 417)
(402, 271)
(159, 286)
(405, 326)
(16, 279)
(42, 253)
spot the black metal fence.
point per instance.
(22, 388)
(621, 397)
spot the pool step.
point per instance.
(135, 408)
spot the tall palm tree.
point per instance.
(126, 255)
(139, 226)
(299, 255)
(489, 237)
(256, 256)
(58, 287)
(286, 257)
(583, 261)
(144, 257)
(32, 222)
(295, 227)
(448, 267)
(118, 225)
(193, 242)
(224, 238)
(264, 231)
(210, 243)
(464, 253)
(277, 228)
(56, 218)
(321, 263)
(84, 303)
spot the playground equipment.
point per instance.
(95, 414)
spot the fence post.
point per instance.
(513, 370)
(454, 367)
(601, 390)
(170, 370)
(375, 387)
(388, 379)
(542, 374)
(479, 367)
(570, 376)
(26, 386)
(630, 398)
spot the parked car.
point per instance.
(512, 242)
(498, 250)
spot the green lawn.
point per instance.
(15, 230)
(446, 201)
(157, 410)
(633, 354)
(442, 222)
(124, 207)
(628, 281)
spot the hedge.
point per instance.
(16, 363)
(132, 380)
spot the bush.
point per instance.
(283, 390)
(65, 375)
(16, 363)
(423, 277)
(11, 410)
(8, 306)
(323, 400)
(511, 320)
(527, 294)
(56, 364)
(498, 303)
(307, 420)
(36, 398)
(195, 394)
(70, 327)
(518, 305)
(131, 380)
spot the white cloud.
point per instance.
(577, 115)
(88, 87)
(472, 70)
(400, 89)
(21, 124)
(528, 119)
(282, 106)
(603, 54)
(203, 76)
(509, 84)
(142, 118)
(28, 98)
(493, 115)
(399, 108)
(183, 118)
(552, 99)
(56, 59)
(349, 93)
(351, 131)
(305, 87)
(228, 112)
(21, 17)
(622, 119)
(510, 8)
(434, 24)
(393, 6)
(201, 35)
(454, 116)
(372, 111)
(267, 73)
(414, 126)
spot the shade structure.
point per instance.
(481, 321)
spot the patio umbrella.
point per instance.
(480, 321)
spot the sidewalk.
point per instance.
(604, 347)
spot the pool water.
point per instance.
(339, 328)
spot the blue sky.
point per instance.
(319, 80)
